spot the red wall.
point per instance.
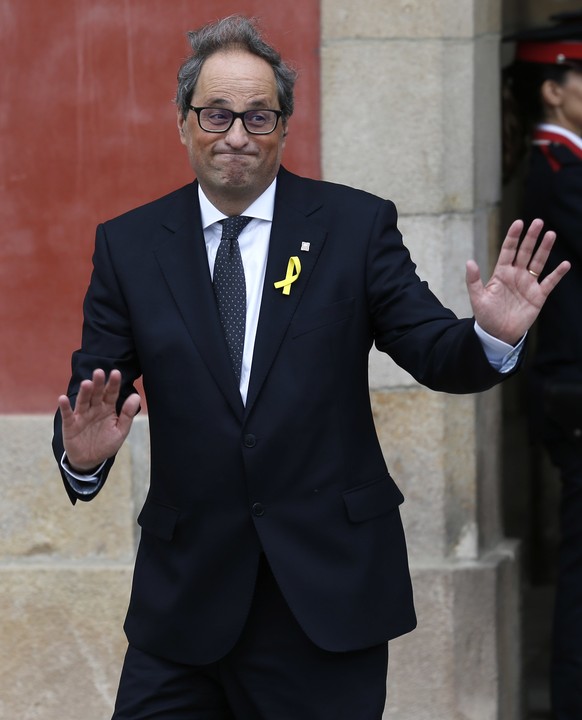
(88, 130)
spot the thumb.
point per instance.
(128, 411)
(65, 409)
(473, 278)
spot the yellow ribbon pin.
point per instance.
(293, 270)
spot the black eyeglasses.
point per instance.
(255, 122)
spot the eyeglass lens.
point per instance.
(255, 121)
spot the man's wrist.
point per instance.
(79, 473)
(501, 355)
(82, 471)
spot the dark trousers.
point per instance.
(274, 672)
(566, 671)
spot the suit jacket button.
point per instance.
(258, 509)
(250, 441)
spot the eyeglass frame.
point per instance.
(235, 115)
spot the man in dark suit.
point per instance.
(272, 566)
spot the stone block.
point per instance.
(460, 662)
(440, 246)
(487, 16)
(37, 520)
(410, 18)
(416, 144)
(62, 642)
(428, 440)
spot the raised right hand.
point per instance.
(93, 431)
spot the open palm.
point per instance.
(93, 431)
(507, 306)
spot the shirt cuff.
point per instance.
(501, 356)
(82, 484)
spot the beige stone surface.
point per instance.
(429, 443)
(487, 121)
(65, 574)
(440, 245)
(417, 100)
(61, 640)
(37, 520)
(139, 450)
(487, 16)
(410, 18)
(460, 663)
(488, 463)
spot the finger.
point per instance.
(131, 406)
(528, 244)
(128, 411)
(98, 387)
(112, 388)
(475, 287)
(538, 261)
(510, 244)
(473, 276)
(65, 408)
(551, 280)
(83, 401)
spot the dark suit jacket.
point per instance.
(298, 473)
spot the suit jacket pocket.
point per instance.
(327, 315)
(159, 520)
(372, 499)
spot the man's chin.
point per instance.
(236, 180)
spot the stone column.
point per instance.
(65, 577)
(410, 111)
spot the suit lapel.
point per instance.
(181, 254)
(292, 227)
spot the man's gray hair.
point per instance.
(233, 32)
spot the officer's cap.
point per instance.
(557, 44)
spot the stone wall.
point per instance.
(65, 575)
(411, 112)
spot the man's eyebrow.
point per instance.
(261, 103)
(218, 101)
(222, 102)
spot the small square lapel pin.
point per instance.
(305, 246)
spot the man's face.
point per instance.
(233, 167)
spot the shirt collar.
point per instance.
(262, 208)
(559, 130)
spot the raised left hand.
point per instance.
(507, 306)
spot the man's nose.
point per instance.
(237, 136)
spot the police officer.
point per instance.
(546, 83)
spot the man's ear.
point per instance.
(181, 120)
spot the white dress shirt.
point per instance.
(254, 248)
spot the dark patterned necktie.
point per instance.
(230, 288)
